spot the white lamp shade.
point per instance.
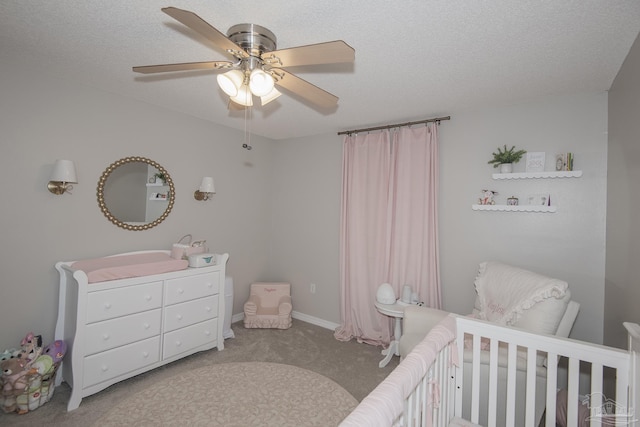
(260, 82)
(207, 185)
(230, 81)
(64, 171)
(244, 96)
(386, 294)
(270, 96)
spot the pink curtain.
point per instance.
(389, 225)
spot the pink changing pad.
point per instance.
(124, 266)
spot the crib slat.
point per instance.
(511, 384)
(530, 405)
(459, 376)
(493, 382)
(445, 387)
(596, 391)
(622, 391)
(552, 380)
(475, 381)
(572, 391)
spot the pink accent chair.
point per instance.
(268, 306)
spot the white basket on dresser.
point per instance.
(120, 328)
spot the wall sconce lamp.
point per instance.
(206, 190)
(63, 175)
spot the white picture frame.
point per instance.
(539, 200)
(535, 161)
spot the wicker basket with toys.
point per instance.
(28, 374)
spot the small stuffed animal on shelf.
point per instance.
(487, 197)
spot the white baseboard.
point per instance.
(300, 316)
(237, 317)
(314, 320)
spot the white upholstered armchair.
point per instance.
(540, 305)
(268, 306)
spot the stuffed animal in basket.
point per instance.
(15, 376)
(56, 350)
(52, 354)
(31, 347)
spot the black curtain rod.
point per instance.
(439, 119)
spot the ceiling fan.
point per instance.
(257, 66)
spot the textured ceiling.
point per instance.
(415, 59)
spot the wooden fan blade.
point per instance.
(198, 24)
(321, 53)
(305, 89)
(165, 68)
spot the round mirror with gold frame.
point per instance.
(135, 193)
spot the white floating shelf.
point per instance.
(518, 208)
(535, 175)
(155, 184)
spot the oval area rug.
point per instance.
(237, 394)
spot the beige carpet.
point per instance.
(236, 394)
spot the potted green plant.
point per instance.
(505, 158)
(161, 176)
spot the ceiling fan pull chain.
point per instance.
(246, 145)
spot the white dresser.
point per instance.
(120, 328)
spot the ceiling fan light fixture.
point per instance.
(273, 94)
(244, 96)
(260, 82)
(230, 82)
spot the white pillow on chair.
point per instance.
(543, 318)
(543, 304)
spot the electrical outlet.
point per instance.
(312, 288)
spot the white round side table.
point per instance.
(397, 312)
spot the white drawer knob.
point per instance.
(107, 305)
(179, 317)
(148, 297)
(145, 354)
(178, 343)
(207, 333)
(207, 308)
(209, 285)
(146, 325)
(105, 336)
(180, 290)
(104, 368)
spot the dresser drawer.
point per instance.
(123, 330)
(113, 363)
(188, 338)
(103, 305)
(190, 312)
(192, 287)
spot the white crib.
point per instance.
(511, 378)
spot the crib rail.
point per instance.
(579, 369)
(418, 391)
(498, 376)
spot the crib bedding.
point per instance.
(130, 265)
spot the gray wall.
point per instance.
(42, 119)
(568, 244)
(622, 289)
(276, 210)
